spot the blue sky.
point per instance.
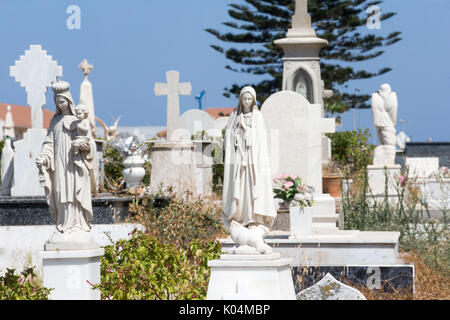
(133, 43)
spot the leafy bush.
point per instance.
(25, 286)
(146, 268)
(113, 161)
(180, 221)
(351, 149)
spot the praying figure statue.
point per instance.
(248, 210)
(384, 112)
(66, 167)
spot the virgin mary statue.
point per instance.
(66, 175)
(248, 210)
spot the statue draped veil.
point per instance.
(259, 177)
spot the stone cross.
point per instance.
(295, 128)
(301, 21)
(86, 68)
(36, 71)
(314, 126)
(172, 89)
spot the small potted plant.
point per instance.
(332, 177)
(298, 198)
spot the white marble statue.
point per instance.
(66, 172)
(110, 132)
(248, 209)
(384, 112)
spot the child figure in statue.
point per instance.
(83, 127)
(248, 209)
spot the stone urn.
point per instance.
(300, 220)
(332, 185)
(134, 170)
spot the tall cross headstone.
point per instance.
(301, 21)
(173, 89)
(296, 128)
(36, 71)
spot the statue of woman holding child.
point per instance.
(66, 167)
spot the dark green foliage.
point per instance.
(113, 161)
(257, 23)
(25, 286)
(351, 149)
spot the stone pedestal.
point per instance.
(250, 277)
(71, 273)
(173, 165)
(384, 155)
(26, 173)
(379, 176)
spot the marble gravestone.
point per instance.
(195, 121)
(422, 167)
(330, 289)
(35, 71)
(173, 163)
(199, 125)
(295, 128)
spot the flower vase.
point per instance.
(134, 171)
(284, 205)
(300, 220)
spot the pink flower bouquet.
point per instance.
(290, 188)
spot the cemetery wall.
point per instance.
(426, 149)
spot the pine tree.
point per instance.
(260, 22)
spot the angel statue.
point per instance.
(66, 166)
(384, 112)
(248, 210)
(110, 132)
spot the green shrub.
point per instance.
(351, 149)
(25, 286)
(179, 222)
(145, 268)
(113, 161)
